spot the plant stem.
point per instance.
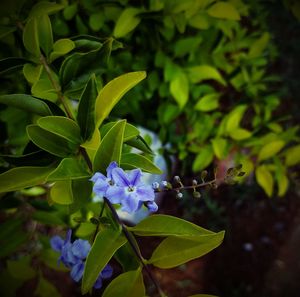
(87, 159)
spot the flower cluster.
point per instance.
(125, 188)
(73, 256)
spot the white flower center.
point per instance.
(130, 189)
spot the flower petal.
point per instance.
(68, 236)
(100, 187)
(130, 204)
(80, 248)
(134, 176)
(120, 177)
(107, 272)
(115, 194)
(97, 176)
(77, 271)
(110, 167)
(145, 193)
(98, 283)
(56, 243)
(152, 206)
(67, 256)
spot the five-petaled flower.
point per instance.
(125, 188)
(72, 255)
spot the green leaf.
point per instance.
(52, 218)
(21, 269)
(131, 161)
(112, 92)
(61, 126)
(129, 133)
(50, 142)
(174, 251)
(128, 284)
(265, 179)
(31, 37)
(45, 34)
(32, 72)
(224, 10)
(106, 243)
(11, 64)
(46, 289)
(61, 192)
(82, 190)
(126, 22)
(110, 148)
(199, 21)
(179, 88)
(270, 149)
(220, 147)
(23, 177)
(45, 7)
(292, 155)
(86, 109)
(197, 74)
(61, 47)
(208, 102)
(27, 103)
(70, 11)
(165, 225)
(126, 257)
(43, 88)
(70, 168)
(240, 134)
(140, 143)
(97, 20)
(203, 159)
(234, 118)
(259, 46)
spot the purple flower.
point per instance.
(73, 256)
(129, 190)
(105, 273)
(102, 182)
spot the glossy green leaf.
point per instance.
(220, 147)
(292, 155)
(45, 34)
(208, 102)
(61, 192)
(32, 72)
(106, 243)
(132, 161)
(52, 218)
(140, 143)
(43, 88)
(70, 168)
(270, 149)
(130, 132)
(224, 10)
(199, 21)
(174, 251)
(165, 225)
(86, 109)
(179, 88)
(112, 92)
(23, 177)
(61, 126)
(128, 284)
(31, 37)
(27, 103)
(50, 142)
(110, 148)
(203, 159)
(126, 22)
(127, 258)
(82, 191)
(61, 47)
(265, 179)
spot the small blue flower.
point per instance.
(104, 274)
(129, 190)
(152, 206)
(102, 182)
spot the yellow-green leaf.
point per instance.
(270, 149)
(208, 102)
(224, 10)
(265, 179)
(179, 88)
(197, 74)
(292, 155)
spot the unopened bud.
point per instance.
(179, 195)
(196, 194)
